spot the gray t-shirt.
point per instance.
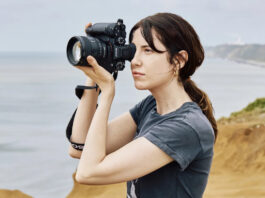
(184, 134)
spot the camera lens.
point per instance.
(79, 47)
(77, 51)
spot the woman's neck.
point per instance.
(169, 97)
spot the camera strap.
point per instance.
(79, 90)
(115, 75)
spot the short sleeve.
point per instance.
(177, 139)
(135, 112)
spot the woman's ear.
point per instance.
(182, 62)
(185, 55)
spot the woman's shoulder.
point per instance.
(195, 117)
(191, 118)
(146, 102)
(149, 99)
(200, 124)
(139, 110)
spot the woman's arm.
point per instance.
(84, 114)
(95, 145)
(121, 130)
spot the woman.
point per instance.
(162, 147)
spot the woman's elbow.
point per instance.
(74, 153)
(80, 179)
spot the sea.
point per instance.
(37, 99)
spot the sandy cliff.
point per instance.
(238, 168)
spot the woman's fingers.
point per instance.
(92, 61)
(93, 66)
(88, 25)
(96, 72)
(87, 70)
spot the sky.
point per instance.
(46, 26)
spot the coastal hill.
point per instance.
(238, 168)
(240, 148)
(248, 53)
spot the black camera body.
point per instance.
(106, 43)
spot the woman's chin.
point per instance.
(140, 86)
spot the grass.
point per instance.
(250, 111)
(257, 105)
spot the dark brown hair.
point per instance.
(176, 34)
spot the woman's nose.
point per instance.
(136, 60)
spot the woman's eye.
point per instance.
(148, 50)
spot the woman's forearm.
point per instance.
(95, 145)
(84, 114)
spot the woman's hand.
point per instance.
(99, 75)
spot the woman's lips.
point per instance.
(137, 74)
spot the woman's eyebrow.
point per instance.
(143, 46)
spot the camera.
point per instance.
(106, 43)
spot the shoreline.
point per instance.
(238, 60)
(248, 62)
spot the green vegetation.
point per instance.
(257, 106)
(252, 111)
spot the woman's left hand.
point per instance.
(99, 75)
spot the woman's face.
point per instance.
(155, 68)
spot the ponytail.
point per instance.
(202, 99)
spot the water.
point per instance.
(37, 100)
